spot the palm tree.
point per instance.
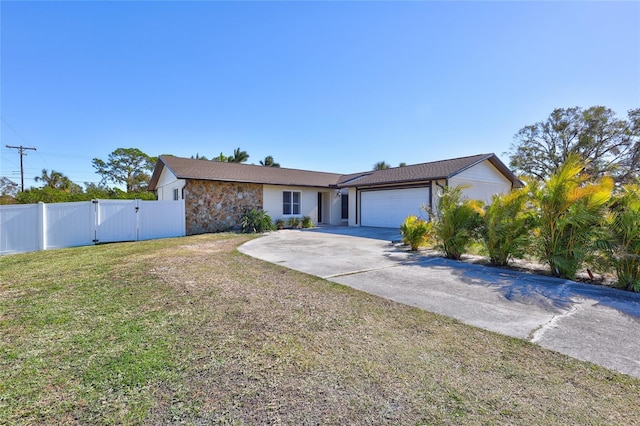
(456, 221)
(268, 162)
(55, 180)
(238, 156)
(621, 242)
(507, 224)
(572, 207)
(223, 158)
(381, 165)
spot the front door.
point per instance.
(345, 206)
(319, 207)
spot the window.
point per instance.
(176, 194)
(291, 202)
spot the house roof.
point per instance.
(187, 168)
(443, 169)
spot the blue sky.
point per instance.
(330, 86)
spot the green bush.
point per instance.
(293, 222)
(53, 195)
(571, 211)
(507, 225)
(414, 232)
(306, 222)
(255, 221)
(279, 224)
(456, 222)
(621, 243)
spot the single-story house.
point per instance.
(216, 194)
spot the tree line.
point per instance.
(238, 156)
(606, 144)
(127, 167)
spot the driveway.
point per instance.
(588, 322)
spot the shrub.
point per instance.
(571, 210)
(456, 222)
(621, 243)
(256, 221)
(306, 222)
(293, 222)
(279, 224)
(414, 232)
(506, 227)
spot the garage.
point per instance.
(388, 208)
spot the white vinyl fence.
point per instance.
(31, 227)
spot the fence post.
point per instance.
(138, 204)
(41, 226)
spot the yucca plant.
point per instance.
(256, 221)
(294, 222)
(456, 221)
(414, 232)
(571, 209)
(621, 244)
(507, 223)
(306, 222)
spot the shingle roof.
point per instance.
(443, 169)
(187, 168)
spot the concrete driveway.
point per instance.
(588, 322)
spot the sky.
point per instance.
(327, 86)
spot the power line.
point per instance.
(21, 150)
(14, 130)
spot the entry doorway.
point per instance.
(345, 207)
(319, 207)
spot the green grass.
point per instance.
(190, 331)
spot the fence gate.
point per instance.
(116, 220)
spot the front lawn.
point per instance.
(190, 331)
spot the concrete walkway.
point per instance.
(588, 322)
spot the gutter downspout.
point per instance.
(443, 187)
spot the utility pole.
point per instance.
(21, 150)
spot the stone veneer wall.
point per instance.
(213, 206)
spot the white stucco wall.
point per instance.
(167, 183)
(352, 207)
(272, 203)
(485, 181)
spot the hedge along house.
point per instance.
(216, 194)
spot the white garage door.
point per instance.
(389, 208)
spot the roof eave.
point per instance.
(157, 171)
(304, 185)
(393, 183)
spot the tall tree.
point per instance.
(221, 158)
(8, 190)
(8, 187)
(57, 180)
(238, 156)
(381, 165)
(127, 166)
(269, 162)
(198, 157)
(605, 144)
